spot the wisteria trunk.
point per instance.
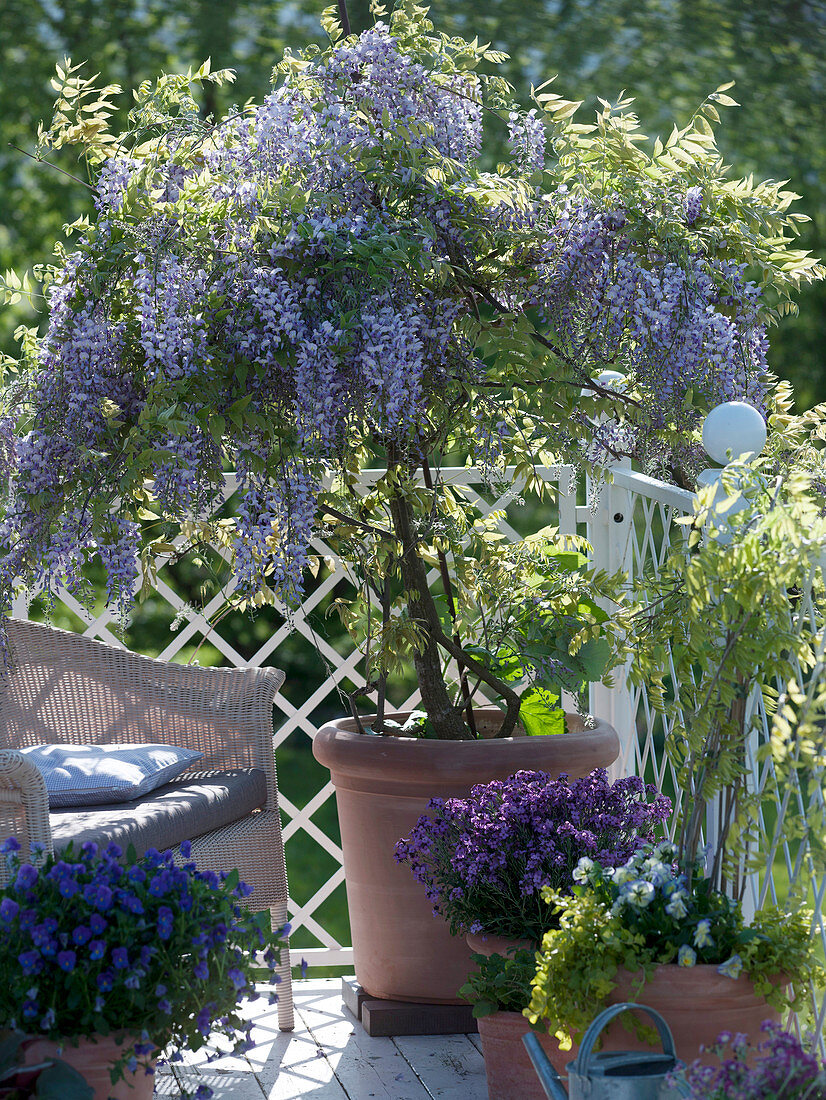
(448, 720)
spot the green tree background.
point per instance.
(668, 54)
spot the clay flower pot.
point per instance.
(508, 1067)
(697, 1004)
(482, 943)
(93, 1058)
(383, 785)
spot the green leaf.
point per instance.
(62, 1082)
(540, 714)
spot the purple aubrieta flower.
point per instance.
(778, 1068)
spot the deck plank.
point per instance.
(366, 1067)
(329, 1056)
(449, 1066)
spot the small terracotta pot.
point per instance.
(697, 1003)
(481, 943)
(508, 1067)
(383, 785)
(93, 1058)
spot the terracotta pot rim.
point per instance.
(510, 1015)
(575, 726)
(484, 943)
(348, 753)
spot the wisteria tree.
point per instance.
(328, 281)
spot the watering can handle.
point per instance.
(604, 1018)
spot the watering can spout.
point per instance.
(551, 1081)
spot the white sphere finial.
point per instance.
(608, 380)
(733, 430)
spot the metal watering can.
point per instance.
(613, 1075)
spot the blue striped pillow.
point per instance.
(88, 775)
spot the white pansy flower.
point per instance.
(686, 956)
(677, 907)
(583, 870)
(702, 934)
(666, 850)
(639, 894)
(731, 968)
(623, 875)
(656, 871)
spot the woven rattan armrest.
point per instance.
(24, 804)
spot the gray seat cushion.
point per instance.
(191, 805)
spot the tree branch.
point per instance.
(512, 700)
(344, 17)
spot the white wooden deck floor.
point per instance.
(329, 1057)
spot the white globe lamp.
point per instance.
(732, 431)
(607, 380)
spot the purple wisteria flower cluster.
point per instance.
(782, 1070)
(333, 273)
(95, 943)
(484, 859)
(672, 325)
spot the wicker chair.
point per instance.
(66, 688)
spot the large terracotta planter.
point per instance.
(697, 1003)
(93, 1058)
(383, 785)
